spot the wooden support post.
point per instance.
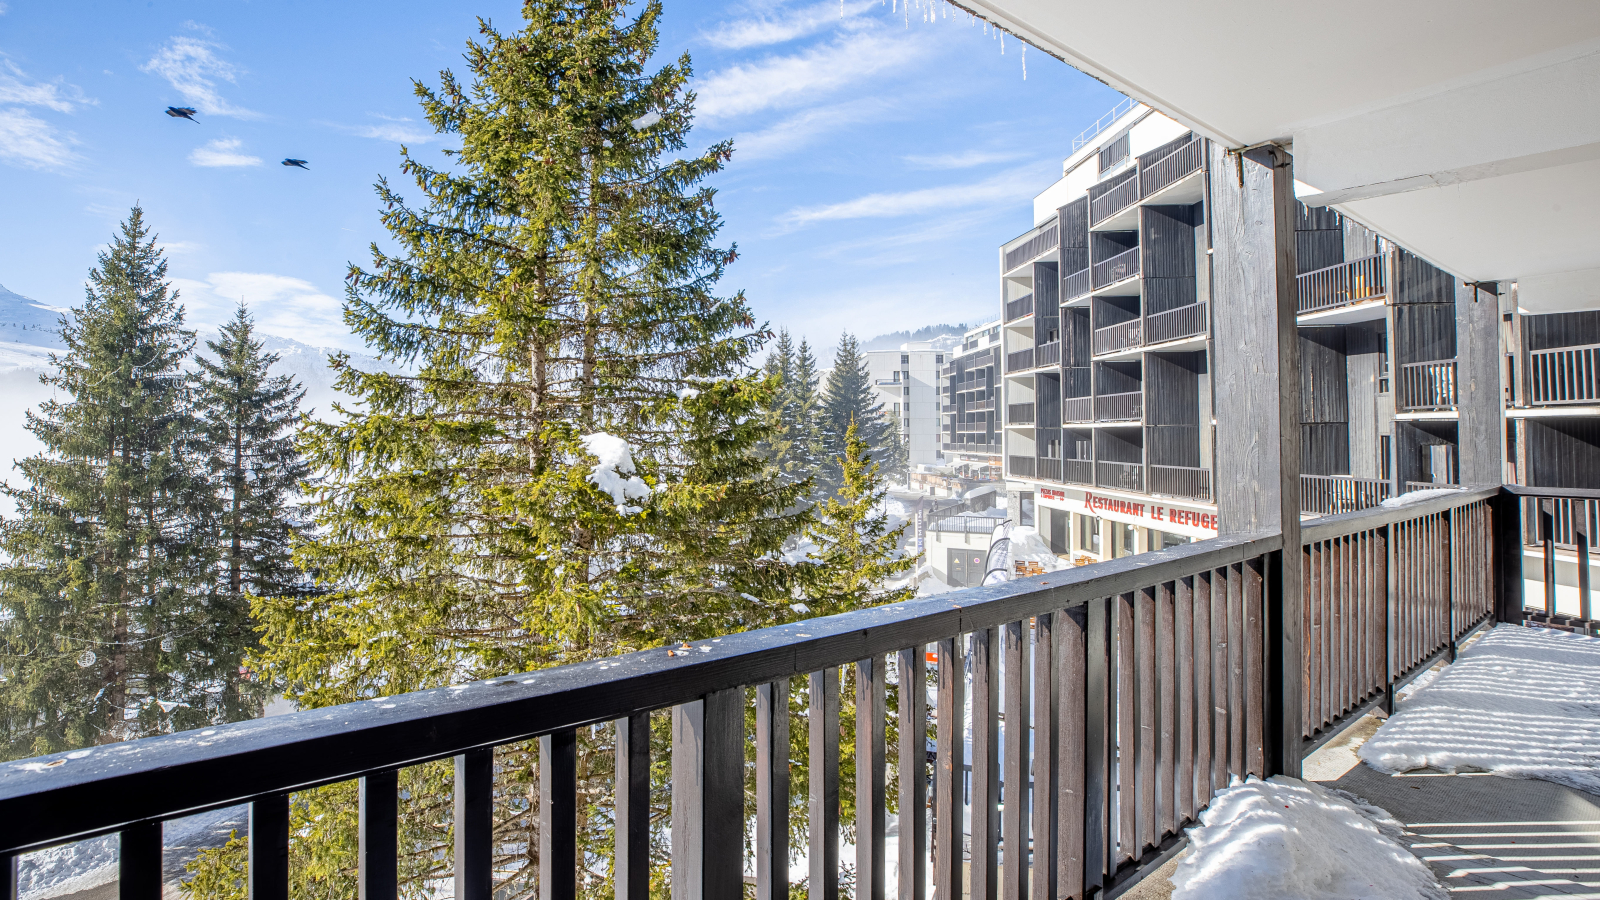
(1506, 521)
(1480, 385)
(1258, 403)
(708, 797)
(558, 815)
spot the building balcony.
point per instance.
(1075, 285)
(1155, 175)
(983, 405)
(1427, 385)
(1048, 469)
(1565, 375)
(1127, 407)
(1107, 272)
(1077, 471)
(1186, 482)
(1019, 361)
(1021, 466)
(1077, 409)
(1121, 336)
(1041, 240)
(1332, 494)
(1019, 413)
(1345, 284)
(1176, 324)
(1020, 308)
(1113, 195)
(1047, 354)
(1119, 476)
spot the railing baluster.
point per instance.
(1255, 646)
(632, 797)
(378, 866)
(1200, 658)
(1126, 737)
(1099, 792)
(913, 824)
(1144, 704)
(708, 797)
(268, 870)
(139, 863)
(1580, 526)
(1046, 800)
(474, 824)
(985, 764)
(1015, 793)
(823, 751)
(1071, 753)
(558, 815)
(1236, 647)
(871, 814)
(8, 877)
(1166, 713)
(949, 772)
(1219, 678)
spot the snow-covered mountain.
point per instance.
(26, 321)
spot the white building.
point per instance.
(907, 384)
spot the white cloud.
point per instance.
(800, 129)
(1010, 187)
(15, 88)
(801, 78)
(398, 132)
(790, 24)
(283, 306)
(30, 141)
(964, 160)
(193, 67)
(222, 153)
(2, 9)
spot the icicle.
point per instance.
(1024, 62)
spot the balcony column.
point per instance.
(1256, 384)
(1480, 389)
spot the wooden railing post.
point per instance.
(708, 797)
(1506, 509)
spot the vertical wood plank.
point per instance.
(1014, 765)
(1203, 704)
(985, 765)
(1166, 714)
(824, 797)
(871, 758)
(1221, 682)
(1046, 767)
(1255, 645)
(139, 863)
(1183, 641)
(1071, 752)
(949, 771)
(708, 797)
(1126, 738)
(1099, 791)
(558, 815)
(632, 798)
(268, 868)
(378, 841)
(1314, 634)
(1144, 751)
(1236, 694)
(913, 712)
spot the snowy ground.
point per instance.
(1519, 702)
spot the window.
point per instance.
(1088, 533)
(905, 359)
(1114, 152)
(906, 390)
(1162, 540)
(897, 409)
(1025, 509)
(897, 376)
(939, 360)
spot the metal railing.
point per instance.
(1075, 285)
(1020, 360)
(1159, 665)
(1342, 284)
(1043, 239)
(1119, 407)
(1122, 108)
(1331, 494)
(1113, 195)
(1110, 271)
(1188, 482)
(1077, 471)
(1565, 519)
(1565, 375)
(1047, 354)
(1121, 336)
(1119, 476)
(980, 405)
(1428, 385)
(1049, 469)
(1020, 466)
(1019, 413)
(1019, 308)
(1176, 324)
(1077, 409)
(1183, 161)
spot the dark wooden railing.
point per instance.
(1019, 360)
(1047, 354)
(1428, 385)
(1020, 307)
(1121, 336)
(1119, 407)
(1329, 494)
(1114, 269)
(1188, 482)
(1043, 239)
(1565, 375)
(1019, 413)
(1021, 466)
(1164, 679)
(1077, 471)
(1075, 285)
(1175, 324)
(1162, 171)
(1342, 284)
(1049, 469)
(1113, 195)
(1119, 476)
(1077, 409)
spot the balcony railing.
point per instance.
(1119, 407)
(1565, 375)
(1077, 409)
(1077, 471)
(1188, 624)
(1188, 482)
(1121, 336)
(1356, 281)
(1042, 240)
(1018, 308)
(1019, 413)
(1020, 360)
(1110, 271)
(1075, 285)
(1113, 195)
(1431, 486)
(1332, 494)
(980, 405)
(1170, 169)
(1020, 466)
(1428, 385)
(1047, 354)
(1119, 476)
(1049, 469)
(1176, 324)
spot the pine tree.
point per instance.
(247, 417)
(858, 548)
(108, 629)
(794, 446)
(849, 399)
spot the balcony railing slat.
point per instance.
(913, 772)
(1204, 706)
(1128, 406)
(1161, 172)
(1069, 696)
(1119, 476)
(1428, 385)
(1183, 639)
(1175, 324)
(1126, 760)
(1075, 285)
(1343, 284)
(1015, 703)
(268, 866)
(1047, 354)
(1022, 306)
(1332, 494)
(1121, 336)
(1564, 375)
(139, 864)
(632, 799)
(377, 865)
(1077, 409)
(1145, 751)
(1166, 713)
(1019, 360)
(1190, 482)
(708, 796)
(949, 770)
(985, 781)
(1100, 680)
(1114, 269)
(1114, 195)
(558, 814)
(823, 749)
(1047, 762)
(1077, 471)
(871, 757)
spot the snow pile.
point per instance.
(1028, 546)
(614, 473)
(1411, 497)
(68, 868)
(1266, 840)
(1519, 702)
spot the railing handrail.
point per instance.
(1340, 265)
(1101, 269)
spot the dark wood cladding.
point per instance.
(1117, 377)
(1047, 398)
(1563, 452)
(1573, 329)
(1043, 239)
(1046, 304)
(1324, 387)
(1325, 448)
(1424, 332)
(1166, 258)
(1072, 221)
(1411, 439)
(1114, 151)
(1418, 281)
(1318, 238)
(1172, 390)
(1173, 445)
(1077, 337)
(1119, 445)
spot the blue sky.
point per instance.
(880, 156)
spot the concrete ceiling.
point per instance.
(1469, 131)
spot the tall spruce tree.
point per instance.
(848, 398)
(794, 447)
(109, 629)
(568, 465)
(247, 422)
(858, 546)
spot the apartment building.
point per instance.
(968, 389)
(906, 382)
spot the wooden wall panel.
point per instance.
(1166, 260)
(1561, 329)
(1073, 226)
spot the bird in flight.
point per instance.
(297, 163)
(182, 112)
